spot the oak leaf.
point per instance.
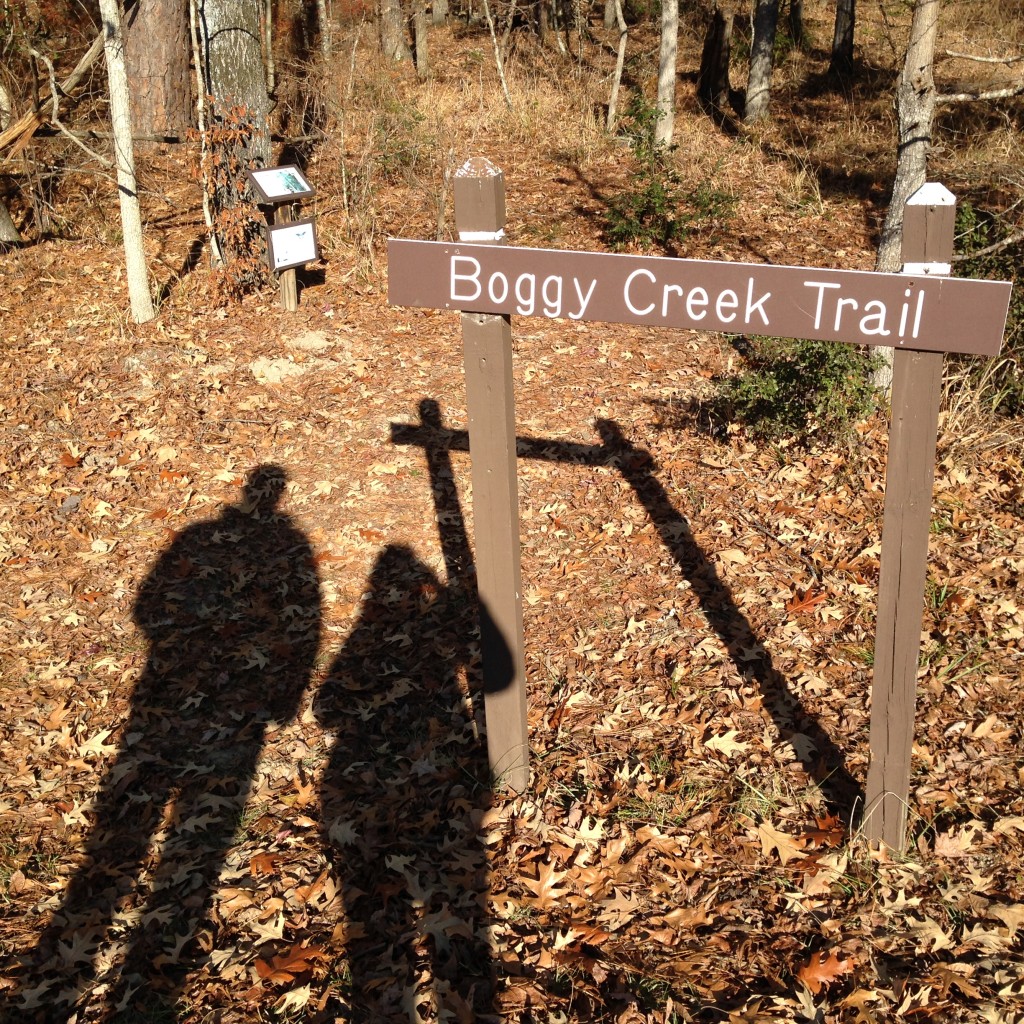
(821, 971)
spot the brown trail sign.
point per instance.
(919, 312)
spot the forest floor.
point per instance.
(241, 764)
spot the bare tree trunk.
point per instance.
(842, 39)
(157, 56)
(762, 58)
(666, 103)
(392, 31)
(713, 78)
(610, 18)
(420, 40)
(235, 75)
(915, 108)
(8, 231)
(324, 18)
(439, 12)
(796, 23)
(620, 61)
(121, 119)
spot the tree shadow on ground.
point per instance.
(408, 780)
(819, 756)
(231, 611)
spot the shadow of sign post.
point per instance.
(920, 312)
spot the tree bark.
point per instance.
(762, 58)
(393, 42)
(324, 19)
(439, 12)
(157, 56)
(713, 77)
(841, 64)
(8, 230)
(666, 103)
(421, 40)
(121, 119)
(620, 61)
(915, 109)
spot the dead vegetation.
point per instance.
(241, 774)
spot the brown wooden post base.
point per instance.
(479, 189)
(916, 391)
(288, 289)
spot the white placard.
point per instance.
(292, 244)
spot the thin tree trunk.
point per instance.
(121, 119)
(796, 23)
(841, 64)
(499, 63)
(326, 45)
(439, 12)
(420, 40)
(713, 78)
(915, 108)
(610, 18)
(666, 103)
(762, 58)
(620, 61)
(268, 46)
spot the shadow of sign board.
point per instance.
(912, 311)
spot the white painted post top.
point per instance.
(932, 193)
(478, 167)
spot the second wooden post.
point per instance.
(928, 221)
(479, 189)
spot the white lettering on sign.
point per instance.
(465, 286)
(833, 308)
(696, 302)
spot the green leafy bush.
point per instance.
(656, 210)
(799, 389)
(996, 385)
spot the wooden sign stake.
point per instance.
(479, 189)
(288, 290)
(928, 229)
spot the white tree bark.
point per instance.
(666, 103)
(762, 58)
(915, 108)
(131, 213)
(620, 61)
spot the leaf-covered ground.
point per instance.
(241, 768)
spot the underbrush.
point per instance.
(798, 389)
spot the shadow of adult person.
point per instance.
(231, 611)
(401, 798)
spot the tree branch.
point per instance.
(1004, 243)
(977, 97)
(984, 60)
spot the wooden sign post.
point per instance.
(928, 229)
(479, 189)
(291, 243)
(920, 312)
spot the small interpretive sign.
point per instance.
(285, 184)
(292, 244)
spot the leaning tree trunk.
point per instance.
(762, 57)
(666, 103)
(841, 64)
(915, 108)
(157, 56)
(121, 118)
(620, 62)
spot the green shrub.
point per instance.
(997, 386)
(798, 389)
(656, 210)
